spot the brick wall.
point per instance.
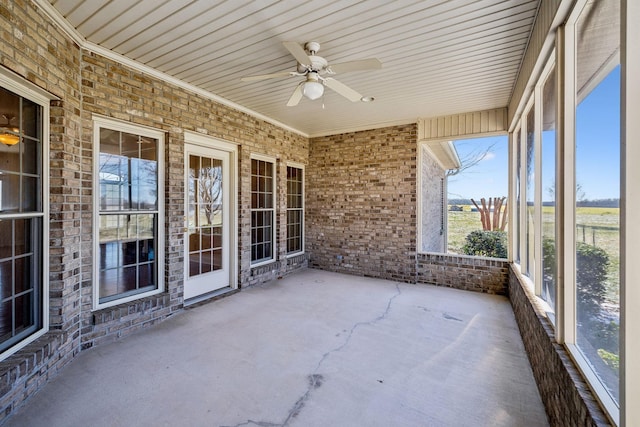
(113, 90)
(487, 275)
(87, 84)
(38, 52)
(433, 224)
(361, 208)
(566, 397)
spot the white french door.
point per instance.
(208, 220)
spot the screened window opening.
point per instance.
(295, 210)
(262, 210)
(597, 192)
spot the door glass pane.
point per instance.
(205, 213)
(597, 190)
(6, 243)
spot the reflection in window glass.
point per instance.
(205, 197)
(548, 180)
(21, 218)
(598, 189)
(128, 191)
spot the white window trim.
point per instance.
(630, 242)
(33, 93)
(105, 122)
(273, 160)
(524, 259)
(304, 190)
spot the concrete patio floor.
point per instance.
(312, 349)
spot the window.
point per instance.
(23, 228)
(597, 191)
(129, 214)
(529, 211)
(262, 209)
(517, 221)
(572, 220)
(295, 209)
(548, 180)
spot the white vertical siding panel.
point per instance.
(476, 128)
(455, 123)
(491, 125)
(465, 124)
(441, 131)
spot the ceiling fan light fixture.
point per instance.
(9, 139)
(313, 89)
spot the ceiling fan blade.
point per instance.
(296, 96)
(298, 52)
(343, 89)
(364, 64)
(267, 76)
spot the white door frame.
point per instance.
(204, 141)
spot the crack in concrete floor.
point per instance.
(315, 380)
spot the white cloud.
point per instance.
(488, 156)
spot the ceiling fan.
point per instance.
(314, 68)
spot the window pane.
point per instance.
(30, 119)
(30, 194)
(262, 210)
(530, 193)
(548, 180)
(518, 216)
(128, 180)
(30, 156)
(598, 189)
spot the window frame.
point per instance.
(273, 161)
(562, 54)
(301, 209)
(35, 94)
(100, 122)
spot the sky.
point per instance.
(597, 152)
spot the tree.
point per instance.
(471, 159)
(485, 213)
(209, 191)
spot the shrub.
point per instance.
(591, 278)
(486, 243)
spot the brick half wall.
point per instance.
(486, 275)
(566, 396)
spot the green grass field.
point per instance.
(596, 226)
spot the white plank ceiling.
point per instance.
(439, 57)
